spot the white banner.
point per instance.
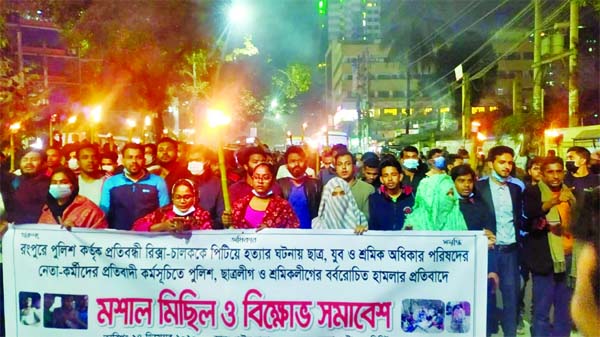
(240, 283)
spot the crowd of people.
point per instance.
(539, 220)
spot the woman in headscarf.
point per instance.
(65, 206)
(262, 208)
(182, 214)
(436, 206)
(338, 208)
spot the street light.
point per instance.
(217, 118)
(13, 128)
(147, 123)
(96, 114)
(289, 135)
(238, 14)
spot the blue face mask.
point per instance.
(410, 163)
(439, 163)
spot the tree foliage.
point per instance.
(293, 81)
(526, 125)
(142, 45)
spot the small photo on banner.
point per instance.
(423, 315)
(458, 317)
(29, 308)
(65, 311)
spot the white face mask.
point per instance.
(196, 167)
(108, 168)
(59, 191)
(73, 164)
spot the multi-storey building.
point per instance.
(354, 20)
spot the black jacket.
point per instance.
(312, 190)
(483, 188)
(535, 246)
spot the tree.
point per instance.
(293, 81)
(528, 126)
(21, 97)
(142, 44)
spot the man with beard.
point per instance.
(166, 155)
(548, 249)
(504, 200)
(53, 159)
(300, 190)
(133, 193)
(91, 178)
(27, 192)
(208, 186)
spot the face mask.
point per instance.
(262, 195)
(148, 159)
(410, 163)
(196, 167)
(108, 168)
(180, 213)
(73, 164)
(570, 165)
(439, 163)
(60, 191)
(498, 177)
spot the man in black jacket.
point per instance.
(27, 192)
(548, 248)
(302, 192)
(505, 203)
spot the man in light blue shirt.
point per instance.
(505, 201)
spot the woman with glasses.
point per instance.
(262, 208)
(182, 214)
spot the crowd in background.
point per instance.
(541, 220)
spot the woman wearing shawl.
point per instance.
(65, 206)
(436, 206)
(181, 215)
(262, 208)
(338, 209)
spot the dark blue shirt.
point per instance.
(387, 214)
(297, 199)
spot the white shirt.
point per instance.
(91, 189)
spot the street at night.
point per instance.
(300, 168)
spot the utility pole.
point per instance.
(466, 106)
(537, 58)
(573, 42)
(517, 99)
